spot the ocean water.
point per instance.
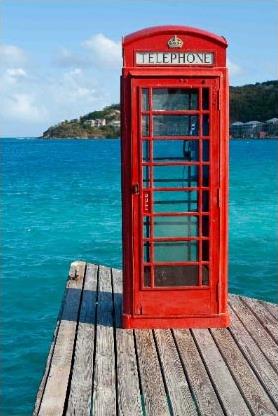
(61, 202)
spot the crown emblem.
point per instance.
(175, 42)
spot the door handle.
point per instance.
(135, 189)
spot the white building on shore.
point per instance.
(115, 123)
(98, 122)
(254, 129)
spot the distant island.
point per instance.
(253, 112)
(101, 123)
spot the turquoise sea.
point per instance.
(61, 202)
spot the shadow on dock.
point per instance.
(74, 296)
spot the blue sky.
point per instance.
(60, 59)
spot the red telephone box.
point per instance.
(174, 101)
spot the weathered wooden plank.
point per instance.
(205, 396)
(264, 316)
(182, 402)
(256, 330)
(258, 401)
(79, 402)
(72, 273)
(231, 398)
(260, 365)
(54, 396)
(151, 378)
(271, 307)
(129, 402)
(104, 393)
(46, 371)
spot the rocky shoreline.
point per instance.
(116, 137)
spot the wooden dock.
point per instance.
(96, 368)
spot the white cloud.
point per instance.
(72, 86)
(73, 73)
(11, 55)
(12, 76)
(84, 80)
(39, 100)
(234, 68)
(106, 52)
(23, 107)
(98, 51)
(16, 72)
(67, 58)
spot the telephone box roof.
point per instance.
(187, 30)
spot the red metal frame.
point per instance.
(201, 305)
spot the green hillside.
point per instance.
(254, 102)
(81, 127)
(249, 102)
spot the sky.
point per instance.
(60, 59)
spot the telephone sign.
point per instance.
(174, 147)
(171, 58)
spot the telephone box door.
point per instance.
(175, 176)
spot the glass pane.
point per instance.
(205, 201)
(145, 99)
(167, 125)
(176, 251)
(205, 98)
(146, 252)
(205, 226)
(176, 275)
(146, 176)
(147, 276)
(205, 150)
(175, 99)
(145, 126)
(205, 250)
(186, 150)
(146, 150)
(176, 226)
(205, 175)
(175, 176)
(147, 225)
(205, 125)
(205, 275)
(175, 201)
